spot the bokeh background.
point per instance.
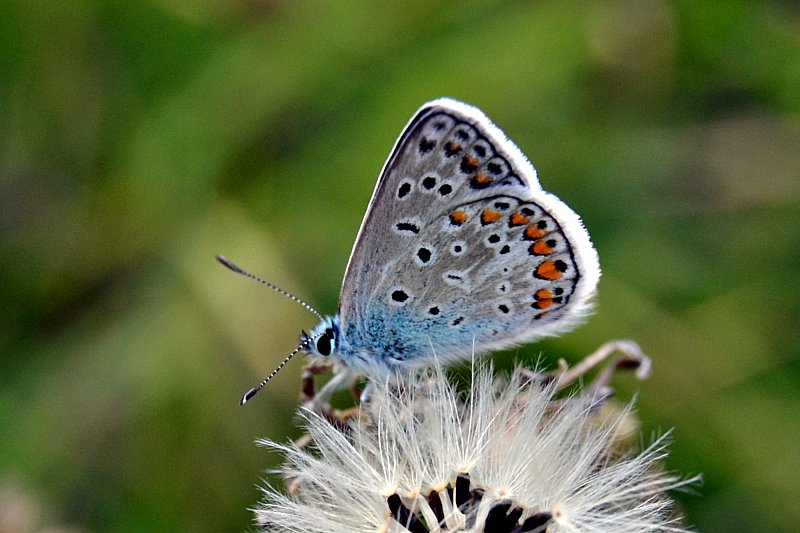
(138, 139)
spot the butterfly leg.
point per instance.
(344, 378)
(366, 394)
(308, 389)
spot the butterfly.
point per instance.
(460, 252)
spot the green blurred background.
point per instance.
(138, 139)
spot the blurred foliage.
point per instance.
(138, 139)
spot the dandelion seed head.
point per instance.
(505, 456)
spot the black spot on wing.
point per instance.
(407, 227)
(426, 145)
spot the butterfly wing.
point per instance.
(460, 248)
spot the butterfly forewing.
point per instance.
(460, 248)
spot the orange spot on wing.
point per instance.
(453, 146)
(490, 215)
(541, 248)
(551, 270)
(543, 294)
(545, 298)
(481, 178)
(532, 233)
(518, 219)
(470, 162)
(458, 217)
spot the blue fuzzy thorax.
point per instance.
(389, 340)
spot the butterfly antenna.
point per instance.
(252, 392)
(233, 266)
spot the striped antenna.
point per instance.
(252, 392)
(233, 266)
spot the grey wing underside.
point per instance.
(449, 239)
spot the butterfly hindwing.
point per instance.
(460, 248)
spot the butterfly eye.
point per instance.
(324, 342)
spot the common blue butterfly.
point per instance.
(460, 252)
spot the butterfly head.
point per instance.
(324, 340)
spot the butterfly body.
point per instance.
(460, 252)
